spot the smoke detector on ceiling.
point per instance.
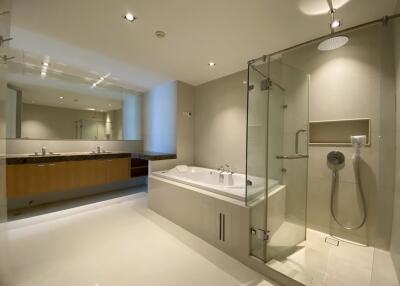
(160, 34)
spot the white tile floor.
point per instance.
(116, 242)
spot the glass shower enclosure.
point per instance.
(277, 156)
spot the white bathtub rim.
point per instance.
(229, 191)
(199, 190)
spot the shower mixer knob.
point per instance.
(335, 160)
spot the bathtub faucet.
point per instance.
(225, 169)
(228, 169)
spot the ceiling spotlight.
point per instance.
(43, 73)
(45, 64)
(61, 97)
(335, 24)
(211, 64)
(91, 109)
(129, 17)
(109, 104)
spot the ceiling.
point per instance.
(92, 35)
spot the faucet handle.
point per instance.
(228, 169)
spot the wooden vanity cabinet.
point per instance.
(30, 179)
(118, 169)
(26, 179)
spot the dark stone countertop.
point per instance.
(153, 156)
(53, 158)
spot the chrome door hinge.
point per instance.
(261, 234)
(5, 58)
(266, 84)
(3, 40)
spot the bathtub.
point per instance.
(230, 185)
(214, 207)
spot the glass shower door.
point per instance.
(287, 158)
(277, 148)
(257, 134)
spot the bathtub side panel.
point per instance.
(200, 214)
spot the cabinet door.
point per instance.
(118, 170)
(91, 172)
(16, 180)
(217, 223)
(26, 179)
(61, 176)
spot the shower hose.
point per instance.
(356, 167)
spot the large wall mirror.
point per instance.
(51, 101)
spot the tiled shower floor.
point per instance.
(324, 264)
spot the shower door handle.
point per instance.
(296, 143)
(292, 157)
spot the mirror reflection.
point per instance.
(45, 102)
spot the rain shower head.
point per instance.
(333, 43)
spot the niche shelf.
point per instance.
(338, 132)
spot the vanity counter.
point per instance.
(62, 157)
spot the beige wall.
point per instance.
(48, 122)
(345, 84)
(220, 123)
(173, 124)
(395, 243)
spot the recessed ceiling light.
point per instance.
(109, 104)
(43, 73)
(91, 109)
(211, 64)
(45, 64)
(129, 16)
(61, 97)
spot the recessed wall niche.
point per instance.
(338, 132)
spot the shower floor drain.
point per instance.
(332, 241)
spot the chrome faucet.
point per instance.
(44, 150)
(228, 169)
